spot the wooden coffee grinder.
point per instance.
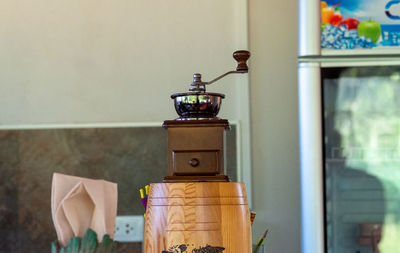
(197, 209)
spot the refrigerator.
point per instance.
(349, 125)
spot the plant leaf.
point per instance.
(88, 242)
(106, 245)
(73, 245)
(54, 247)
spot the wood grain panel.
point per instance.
(197, 216)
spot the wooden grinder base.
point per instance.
(196, 150)
(197, 217)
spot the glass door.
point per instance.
(361, 130)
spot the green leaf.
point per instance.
(89, 242)
(73, 245)
(54, 247)
(106, 245)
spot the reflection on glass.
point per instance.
(362, 159)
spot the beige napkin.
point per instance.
(79, 203)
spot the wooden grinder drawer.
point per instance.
(195, 162)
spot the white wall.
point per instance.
(274, 124)
(114, 61)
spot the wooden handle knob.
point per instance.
(241, 57)
(194, 162)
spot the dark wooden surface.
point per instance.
(241, 57)
(212, 122)
(179, 179)
(195, 147)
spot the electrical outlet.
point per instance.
(129, 228)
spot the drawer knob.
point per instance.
(194, 162)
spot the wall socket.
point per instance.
(129, 228)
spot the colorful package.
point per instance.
(352, 24)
